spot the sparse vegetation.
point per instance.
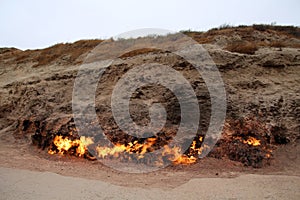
(291, 30)
(242, 47)
(68, 52)
(139, 52)
(248, 40)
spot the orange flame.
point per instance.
(252, 141)
(176, 157)
(63, 144)
(174, 154)
(131, 147)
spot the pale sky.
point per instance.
(35, 24)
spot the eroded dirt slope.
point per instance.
(260, 67)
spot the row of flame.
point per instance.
(63, 144)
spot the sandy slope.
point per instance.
(32, 86)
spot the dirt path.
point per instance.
(23, 184)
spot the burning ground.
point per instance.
(260, 68)
(245, 140)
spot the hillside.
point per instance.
(260, 67)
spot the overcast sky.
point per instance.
(34, 24)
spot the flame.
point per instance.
(185, 160)
(131, 147)
(174, 154)
(176, 157)
(84, 142)
(269, 153)
(252, 141)
(64, 144)
(108, 151)
(189, 157)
